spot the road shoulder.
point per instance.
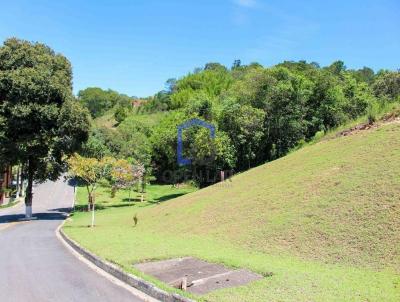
(77, 251)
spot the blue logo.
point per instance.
(182, 161)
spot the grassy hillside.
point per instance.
(325, 220)
(148, 119)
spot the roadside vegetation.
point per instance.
(313, 206)
(324, 220)
(41, 124)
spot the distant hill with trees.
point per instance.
(260, 114)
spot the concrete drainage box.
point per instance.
(195, 275)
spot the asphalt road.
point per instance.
(36, 267)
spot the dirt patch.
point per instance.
(356, 129)
(195, 275)
(387, 119)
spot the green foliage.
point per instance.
(134, 142)
(260, 114)
(163, 141)
(121, 113)
(98, 101)
(387, 85)
(95, 146)
(210, 82)
(245, 127)
(365, 74)
(41, 122)
(161, 101)
(372, 113)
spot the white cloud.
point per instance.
(246, 3)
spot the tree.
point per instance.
(215, 66)
(41, 122)
(170, 85)
(209, 156)
(90, 171)
(365, 74)
(95, 146)
(337, 67)
(387, 85)
(236, 64)
(124, 175)
(245, 126)
(134, 141)
(211, 82)
(98, 101)
(120, 114)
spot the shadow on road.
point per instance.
(53, 214)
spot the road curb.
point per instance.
(129, 279)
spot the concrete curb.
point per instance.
(129, 279)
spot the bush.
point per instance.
(120, 114)
(373, 112)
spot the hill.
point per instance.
(324, 220)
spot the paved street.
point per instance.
(36, 267)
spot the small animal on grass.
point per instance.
(135, 219)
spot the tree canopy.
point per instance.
(41, 122)
(98, 101)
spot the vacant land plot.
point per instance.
(321, 224)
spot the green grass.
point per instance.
(147, 119)
(325, 220)
(10, 204)
(153, 194)
(106, 120)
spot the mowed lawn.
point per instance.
(324, 220)
(153, 194)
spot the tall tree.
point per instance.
(41, 122)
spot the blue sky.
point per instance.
(135, 46)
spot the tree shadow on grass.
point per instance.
(165, 198)
(155, 201)
(100, 207)
(168, 197)
(132, 199)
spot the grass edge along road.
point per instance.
(314, 219)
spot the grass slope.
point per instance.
(147, 119)
(325, 220)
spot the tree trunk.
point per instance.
(90, 201)
(29, 193)
(113, 191)
(18, 193)
(91, 205)
(92, 215)
(22, 189)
